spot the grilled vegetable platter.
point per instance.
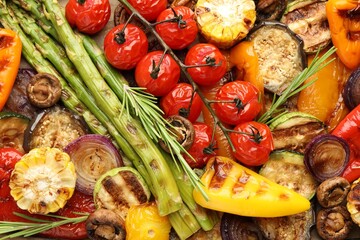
(179, 119)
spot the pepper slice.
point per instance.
(10, 57)
(235, 189)
(343, 17)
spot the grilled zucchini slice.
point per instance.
(119, 189)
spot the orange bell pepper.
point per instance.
(343, 18)
(10, 57)
(323, 98)
(235, 189)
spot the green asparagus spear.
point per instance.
(184, 223)
(35, 59)
(167, 193)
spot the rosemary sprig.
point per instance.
(297, 84)
(26, 229)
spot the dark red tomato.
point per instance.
(125, 46)
(8, 158)
(181, 33)
(183, 101)
(237, 102)
(253, 143)
(88, 16)
(205, 53)
(149, 9)
(157, 72)
(203, 146)
(80, 203)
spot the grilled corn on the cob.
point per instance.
(43, 180)
(225, 22)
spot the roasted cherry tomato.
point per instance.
(203, 146)
(88, 16)
(149, 9)
(8, 158)
(237, 102)
(78, 203)
(253, 143)
(183, 101)
(124, 46)
(201, 55)
(177, 27)
(157, 72)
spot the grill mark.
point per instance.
(222, 170)
(134, 186)
(239, 186)
(114, 191)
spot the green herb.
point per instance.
(26, 229)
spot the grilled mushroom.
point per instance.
(105, 224)
(333, 223)
(332, 192)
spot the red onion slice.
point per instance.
(93, 155)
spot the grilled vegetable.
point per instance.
(235, 189)
(308, 20)
(332, 192)
(225, 23)
(235, 227)
(291, 227)
(44, 90)
(43, 180)
(269, 9)
(119, 189)
(294, 130)
(280, 54)
(351, 93)
(144, 222)
(288, 169)
(333, 223)
(93, 155)
(54, 127)
(326, 156)
(353, 202)
(12, 128)
(105, 224)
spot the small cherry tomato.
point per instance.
(88, 16)
(181, 32)
(203, 146)
(157, 72)
(205, 54)
(253, 143)
(124, 46)
(237, 102)
(149, 9)
(183, 101)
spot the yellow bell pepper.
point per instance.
(235, 189)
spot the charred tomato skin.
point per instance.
(125, 45)
(149, 9)
(180, 101)
(160, 83)
(253, 143)
(177, 35)
(237, 102)
(205, 53)
(203, 146)
(89, 17)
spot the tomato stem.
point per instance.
(156, 68)
(177, 19)
(81, 2)
(255, 134)
(210, 62)
(120, 36)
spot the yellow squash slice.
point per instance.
(225, 22)
(43, 180)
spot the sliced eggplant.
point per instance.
(326, 156)
(12, 128)
(270, 9)
(308, 20)
(93, 155)
(120, 188)
(288, 169)
(351, 93)
(54, 127)
(291, 227)
(294, 130)
(280, 52)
